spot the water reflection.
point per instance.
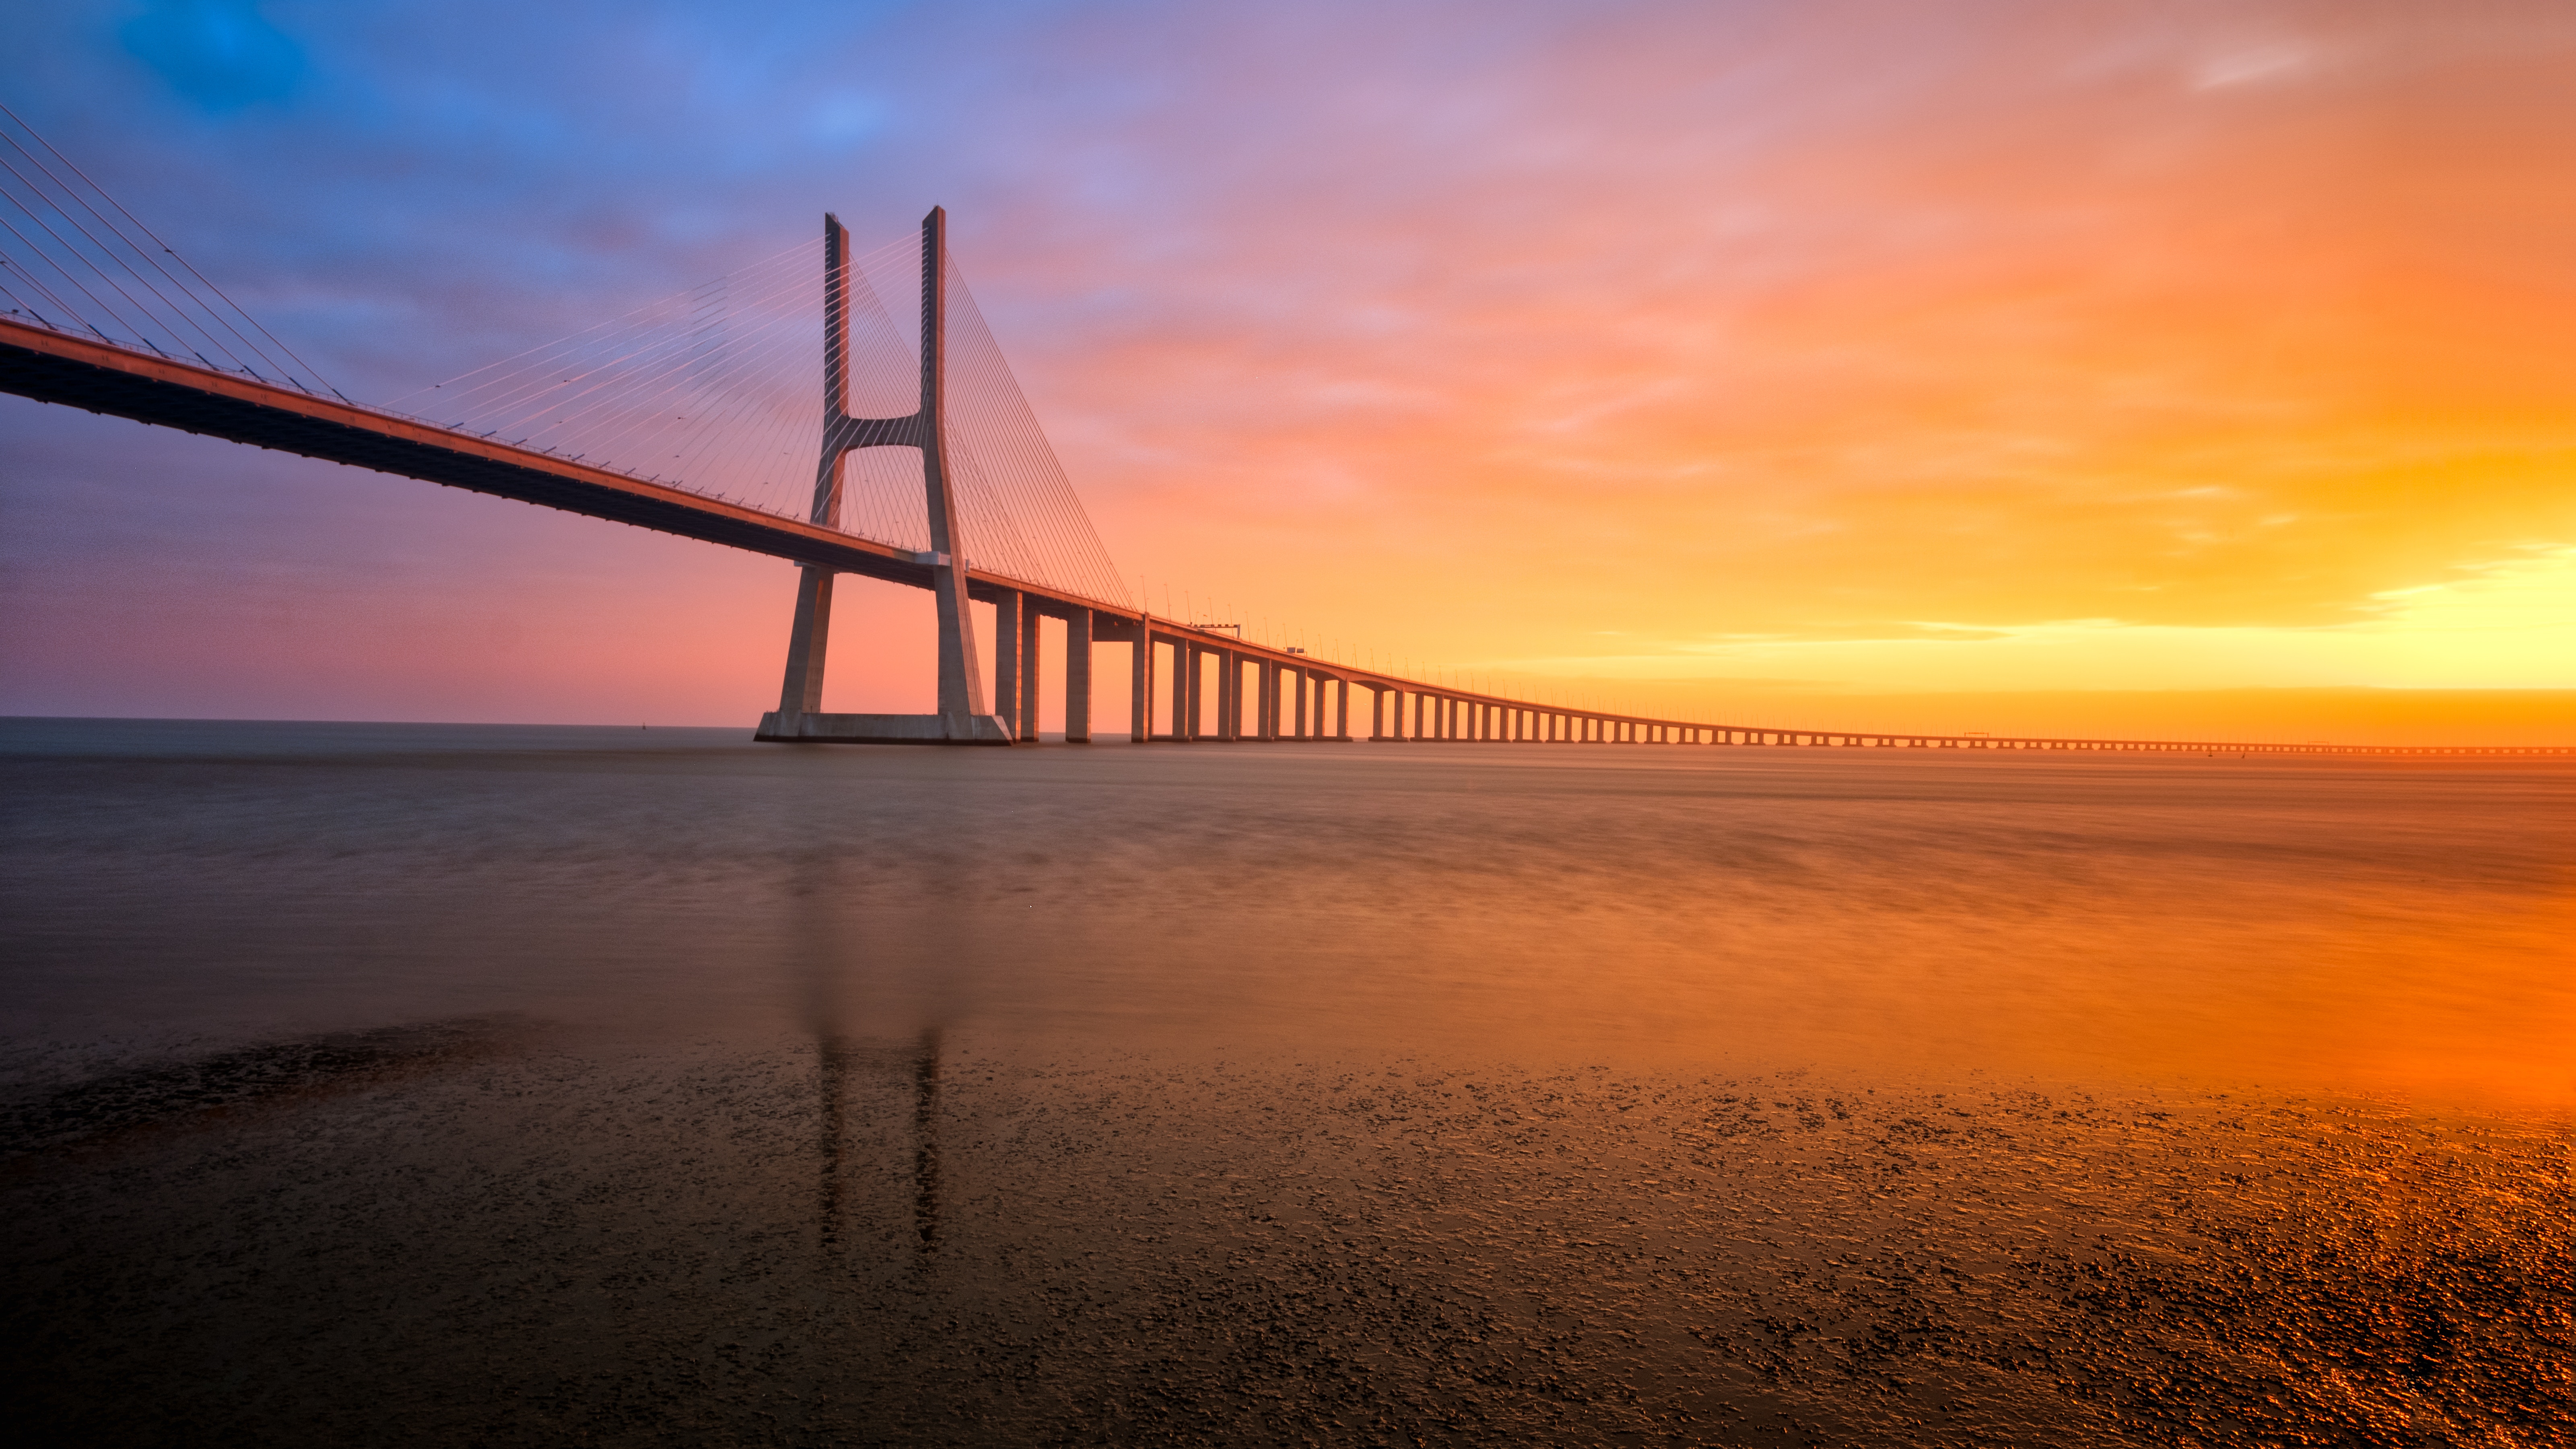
(842, 969)
(925, 1145)
(1295, 1096)
(832, 1071)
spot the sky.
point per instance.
(1861, 365)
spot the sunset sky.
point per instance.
(1905, 365)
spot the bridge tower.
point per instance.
(964, 718)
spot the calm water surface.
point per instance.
(444, 1085)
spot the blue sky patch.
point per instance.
(221, 54)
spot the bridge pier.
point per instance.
(1140, 682)
(963, 718)
(1229, 700)
(1007, 637)
(1187, 681)
(806, 642)
(1077, 677)
(1027, 718)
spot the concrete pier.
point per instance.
(1077, 678)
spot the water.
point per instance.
(442, 1085)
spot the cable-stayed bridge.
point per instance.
(847, 411)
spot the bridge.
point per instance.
(100, 318)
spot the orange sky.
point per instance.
(2146, 355)
(1734, 358)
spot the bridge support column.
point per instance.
(1304, 719)
(1341, 709)
(1077, 677)
(1185, 690)
(803, 691)
(1140, 683)
(1026, 724)
(1007, 636)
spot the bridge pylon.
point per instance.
(964, 717)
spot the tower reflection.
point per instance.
(925, 1145)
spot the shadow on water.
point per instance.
(271, 1073)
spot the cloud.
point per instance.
(2256, 63)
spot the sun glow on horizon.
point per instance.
(2510, 624)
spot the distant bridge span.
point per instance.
(1177, 670)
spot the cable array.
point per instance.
(74, 260)
(1020, 509)
(718, 390)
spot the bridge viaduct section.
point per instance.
(1179, 674)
